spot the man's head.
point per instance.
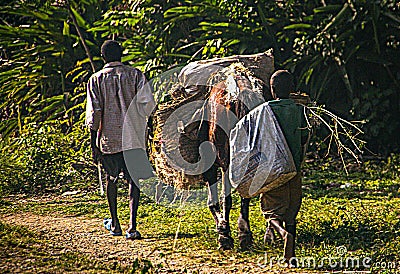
(282, 84)
(111, 51)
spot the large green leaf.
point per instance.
(338, 18)
(298, 26)
(327, 8)
(80, 20)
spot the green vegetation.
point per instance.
(44, 159)
(344, 217)
(343, 53)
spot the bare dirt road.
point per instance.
(71, 244)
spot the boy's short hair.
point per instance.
(111, 51)
(282, 84)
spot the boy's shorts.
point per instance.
(283, 203)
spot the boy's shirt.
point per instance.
(291, 119)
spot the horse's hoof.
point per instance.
(245, 241)
(223, 228)
(269, 236)
(225, 242)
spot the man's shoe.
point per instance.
(107, 225)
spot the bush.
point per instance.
(40, 159)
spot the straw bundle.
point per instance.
(192, 86)
(186, 145)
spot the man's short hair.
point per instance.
(111, 51)
(282, 84)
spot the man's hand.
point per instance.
(96, 153)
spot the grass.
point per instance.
(24, 251)
(346, 222)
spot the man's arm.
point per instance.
(94, 105)
(96, 153)
(93, 117)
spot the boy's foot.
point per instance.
(245, 240)
(225, 242)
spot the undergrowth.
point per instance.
(346, 222)
(44, 159)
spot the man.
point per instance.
(114, 93)
(281, 205)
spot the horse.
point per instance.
(233, 92)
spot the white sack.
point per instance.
(260, 158)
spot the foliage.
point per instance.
(349, 60)
(344, 53)
(40, 159)
(36, 55)
(372, 179)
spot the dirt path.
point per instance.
(85, 243)
(81, 235)
(88, 237)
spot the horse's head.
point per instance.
(233, 92)
(233, 89)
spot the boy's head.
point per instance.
(282, 84)
(111, 51)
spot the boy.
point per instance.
(281, 205)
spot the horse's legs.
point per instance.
(225, 240)
(213, 202)
(227, 200)
(245, 235)
(222, 223)
(224, 226)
